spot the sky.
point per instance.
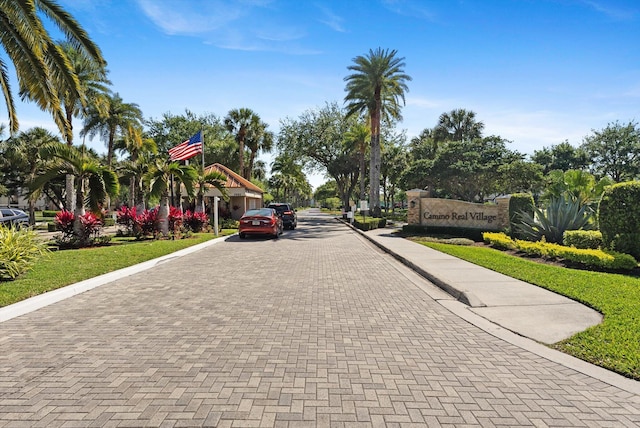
(535, 72)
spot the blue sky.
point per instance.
(536, 72)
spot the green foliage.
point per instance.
(456, 232)
(586, 257)
(19, 249)
(519, 202)
(499, 240)
(585, 239)
(331, 203)
(49, 213)
(619, 218)
(229, 223)
(612, 344)
(563, 213)
(369, 223)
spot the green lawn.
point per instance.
(61, 268)
(613, 344)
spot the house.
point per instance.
(243, 194)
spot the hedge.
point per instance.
(607, 260)
(584, 239)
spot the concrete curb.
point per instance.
(46, 299)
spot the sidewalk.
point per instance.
(520, 307)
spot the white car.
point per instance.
(13, 216)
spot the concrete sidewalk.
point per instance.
(523, 308)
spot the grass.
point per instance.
(62, 268)
(615, 343)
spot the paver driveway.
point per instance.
(317, 328)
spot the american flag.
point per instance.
(187, 149)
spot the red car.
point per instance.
(263, 221)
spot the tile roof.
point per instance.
(234, 180)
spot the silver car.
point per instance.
(13, 216)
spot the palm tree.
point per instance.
(458, 125)
(159, 177)
(93, 182)
(38, 61)
(376, 87)
(240, 122)
(138, 163)
(23, 152)
(357, 140)
(112, 122)
(92, 78)
(204, 179)
(258, 139)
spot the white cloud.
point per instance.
(612, 12)
(331, 20)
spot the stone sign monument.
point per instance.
(449, 213)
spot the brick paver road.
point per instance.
(315, 329)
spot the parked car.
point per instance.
(288, 214)
(263, 221)
(13, 216)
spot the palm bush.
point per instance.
(19, 249)
(563, 213)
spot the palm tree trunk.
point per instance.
(69, 202)
(132, 191)
(362, 176)
(79, 212)
(163, 214)
(374, 173)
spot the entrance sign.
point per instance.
(364, 206)
(435, 212)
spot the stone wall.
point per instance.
(435, 212)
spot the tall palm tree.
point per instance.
(23, 151)
(92, 78)
(458, 125)
(376, 87)
(258, 139)
(38, 61)
(137, 165)
(112, 122)
(357, 140)
(240, 122)
(93, 182)
(159, 177)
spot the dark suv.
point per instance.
(288, 214)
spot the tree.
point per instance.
(93, 182)
(316, 140)
(357, 140)
(615, 151)
(376, 88)
(159, 177)
(561, 157)
(394, 164)
(38, 61)
(22, 157)
(92, 79)
(457, 125)
(258, 139)
(242, 123)
(288, 180)
(137, 165)
(111, 122)
(204, 179)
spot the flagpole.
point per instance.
(202, 140)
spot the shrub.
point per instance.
(584, 239)
(147, 223)
(604, 260)
(519, 203)
(563, 213)
(368, 223)
(49, 213)
(619, 218)
(88, 232)
(499, 240)
(126, 217)
(229, 223)
(175, 219)
(19, 249)
(196, 221)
